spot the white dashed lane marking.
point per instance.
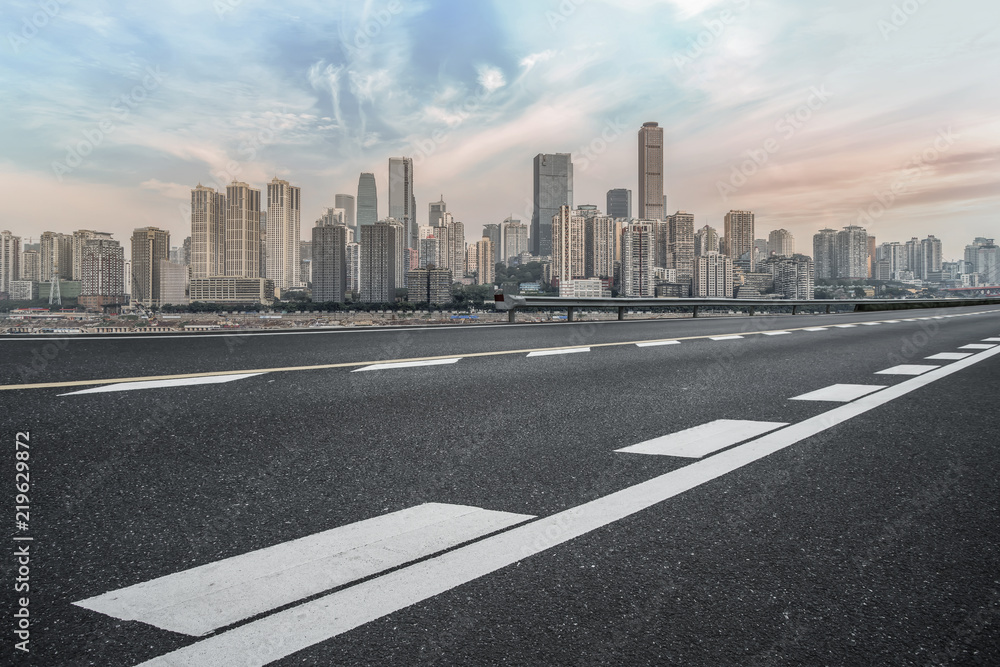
(976, 346)
(949, 356)
(548, 353)
(840, 393)
(406, 364)
(726, 337)
(656, 343)
(701, 440)
(161, 384)
(907, 369)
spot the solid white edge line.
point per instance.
(274, 637)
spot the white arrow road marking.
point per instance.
(841, 393)
(212, 596)
(159, 384)
(701, 440)
(279, 635)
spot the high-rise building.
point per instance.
(262, 245)
(353, 259)
(472, 259)
(102, 266)
(284, 203)
(568, 245)
(637, 275)
(79, 238)
(305, 262)
(552, 187)
(367, 200)
(402, 257)
(619, 204)
(57, 255)
(514, 237)
(486, 272)
(739, 231)
(401, 198)
(430, 247)
(680, 244)
(208, 232)
(599, 246)
(930, 250)
(652, 202)
(871, 255)
(149, 246)
(378, 262)
(243, 248)
(825, 253)
(982, 258)
(347, 203)
(493, 232)
(706, 240)
(173, 283)
(31, 266)
(455, 249)
(851, 253)
(436, 211)
(713, 276)
(431, 286)
(780, 243)
(329, 252)
(793, 276)
(10, 260)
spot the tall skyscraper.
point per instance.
(680, 244)
(652, 203)
(79, 238)
(208, 232)
(780, 243)
(149, 246)
(10, 260)
(930, 250)
(31, 265)
(367, 200)
(401, 198)
(485, 255)
(851, 253)
(436, 211)
(378, 262)
(568, 245)
(739, 233)
(514, 236)
(353, 253)
(706, 240)
(455, 248)
(57, 255)
(599, 246)
(347, 203)
(402, 257)
(102, 264)
(619, 204)
(242, 231)
(553, 187)
(637, 259)
(825, 253)
(283, 234)
(493, 232)
(329, 259)
(713, 276)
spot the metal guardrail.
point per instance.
(511, 303)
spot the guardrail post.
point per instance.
(569, 313)
(750, 311)
(510, 315)
(827, 309)
(621, 313)
(694, 313)
(794, 309)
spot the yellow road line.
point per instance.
(349, 364)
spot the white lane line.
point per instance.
(910, 319)
(725, 337)
(255, 645)
(991, 340)
(776, 333)
(845, 326)
(907, 369)
(949, 356)
(656, 343)
(159, 384)
(976, 346)
(701, 440)
(406, 364)
(841, 393)
(870, 324)
(203, 599)
(548, 353)
(816, 329)
(890, 321)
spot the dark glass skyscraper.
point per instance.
(620, 203)
(553, 187)
(367, 200)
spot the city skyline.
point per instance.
(324, 102)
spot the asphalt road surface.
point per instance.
(818, 489)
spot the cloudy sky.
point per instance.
(810, 114)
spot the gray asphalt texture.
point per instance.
(874, 542)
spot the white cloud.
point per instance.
(491, 78)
